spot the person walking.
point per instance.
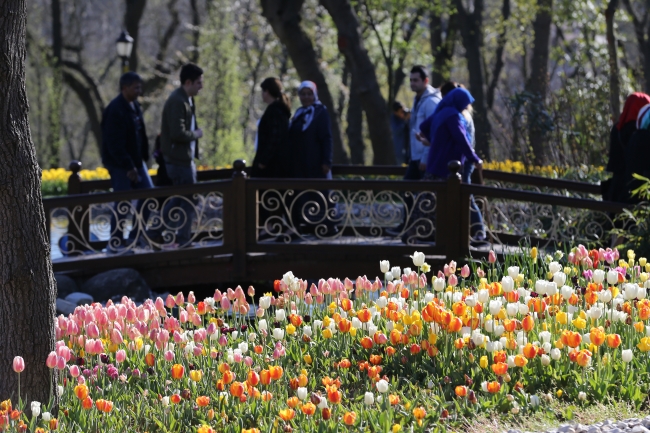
(271, 150)
(637, 154)
(179, 138)
(310, 146)
(425, 102)
(125, 150)
(615, 188)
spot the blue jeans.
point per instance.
(121, 182)
(179, 212)
(476, 228)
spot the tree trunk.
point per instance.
(354, 130)
(442, 49)
(132, 17)
(501, 47)
(351, 45)
(537, 84)
(284, 17)
(614, 80)
(471, 30)
(26, 281)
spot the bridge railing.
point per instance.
(366, 215)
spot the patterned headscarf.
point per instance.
(643, 120)
(307, 111)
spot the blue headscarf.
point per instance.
(451, 105)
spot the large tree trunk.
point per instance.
(642, 32)
(132, 17)
(537, 84)
(442, 48)
(355, 124)
(284, 17)
(374, 105)
(614, 81)
(471, 30)
(27, 284)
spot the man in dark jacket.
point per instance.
(125, 149)
(179, 137)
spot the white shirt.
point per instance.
(192, 128)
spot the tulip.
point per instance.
(418, 259)
(368, 398)
(382, 386)
(349, 418)
(35, 408)
(384, 266)
(626, 355)
(19, 364)
(177, 371)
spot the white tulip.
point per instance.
(491, 346)
(478, 339)
(278, 333)
(457, 296)
(36, 408)
(513, 272)
(627, 355)
(512, 309)
(288, 278)
(429, 297)
(280, 315)
(534, 401)
(407, 271)
(47, 416)
(368, 398)
(540, 287)
(384, 266)
(546, 360)
(489, 325)
(322, 404)
(599, 276)
(545, 336)
(630, 291)
(356, 323)
(265, 302)
(418, 259)
(507, 284)
(382, 301)
(605, 296)
(554, 267)
(523, 309)
(483, 296)
(388, 276)
(165, 401)
(243, 347)
(499, 330)
(262, 325)
(306, 330)
(301, 393)
(439, 284)
(495, 307)
(559, 278)
(522, 292)
(382, 386)
(470, 301)
(547, 347)
(556, 354)
(646, 285)
(641, 292)
(595, 312)
(566, 292)
(511, 361)
(612, 277)
(582, 395)
(396, 271)
(484, 387)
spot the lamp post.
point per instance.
(124, 45)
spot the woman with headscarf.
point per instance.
(618, 141)
(310, 136)
(637, 154)
(447, 135)
(271, 151)
(310, 144)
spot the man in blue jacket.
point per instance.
(125, 150)
(424, 104)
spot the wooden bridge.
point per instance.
(247, 229)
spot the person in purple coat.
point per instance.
(445, 132)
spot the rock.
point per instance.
(639, 429)
(64, 307)
(65, 285)
(593, 430)
(78, 298)
(566, 429)
(117, 283)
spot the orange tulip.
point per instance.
(461, 391)
(530, 351)
(346, 304)
(495, 289)
(292, 402)
(493, 387)
(293, 383)
(276, 372)
(205, 429)
(644, 312)
(104, 405)
(415, 349)
(81, 391)
(175, 398)
(344, 325)
(295, 319)
(253, 378)
(251, 430)
(528, 323)
(613, 340)
(375, 359)
(390, 351)
(393, 399)
(87, 403)
(583, 358)
(223, 367)
(54, 423)
(520, 361)
(405, 293)
(259, 349)
(202, 401)
(571, 339)
(308, 408)
(591, 298)
(302, 380)
(574, 299)
(150, 359)
(395, 337)
(510, 325)
(419, 413)
(459, 308)
(364, 315)
(499, 356)
(366, 343)
(459, 343)
(333, 394)
(345, 363)
(228, 376)
(455, 325)
(237, 389)
(265, 377)
(287, 414)
(597, 336)
(349, 418)
(177, 371)
(500, 368)
(512, 296)
(326, 413)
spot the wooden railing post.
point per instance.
(238, 219)
(455, 214)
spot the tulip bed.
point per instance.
(409, 351)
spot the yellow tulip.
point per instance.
(644, 344)
(483, 362)
(579, 323)
(562, 317)
(327, 333)
(290, 329)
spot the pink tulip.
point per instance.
(81, 380)
(169, 356)
(452, 267)
(259, 312)
(198, 350)
(413, 278)
(349, 285)
(120, 356)
(217, 295)
(251, 291)
(179, 299)
(19, 364)
(446, 270)
(51, 360)
(480, 273)
(191, 298)
(239, 293)
(423, 279)
(169, 302)
(464, 272)
(225, 303)
(320, 298)
(116, 337)
(200, 335)
(92, 331)
(492, 257)
(60, 363)
(131, 315)
(183, 316)
(390, 287)
(381, 338)
(195, 319)
(74, 370)
(230, 294)
(160, 304)
(177, 337)
(223, 340)
(238, 357)
(453, 280)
